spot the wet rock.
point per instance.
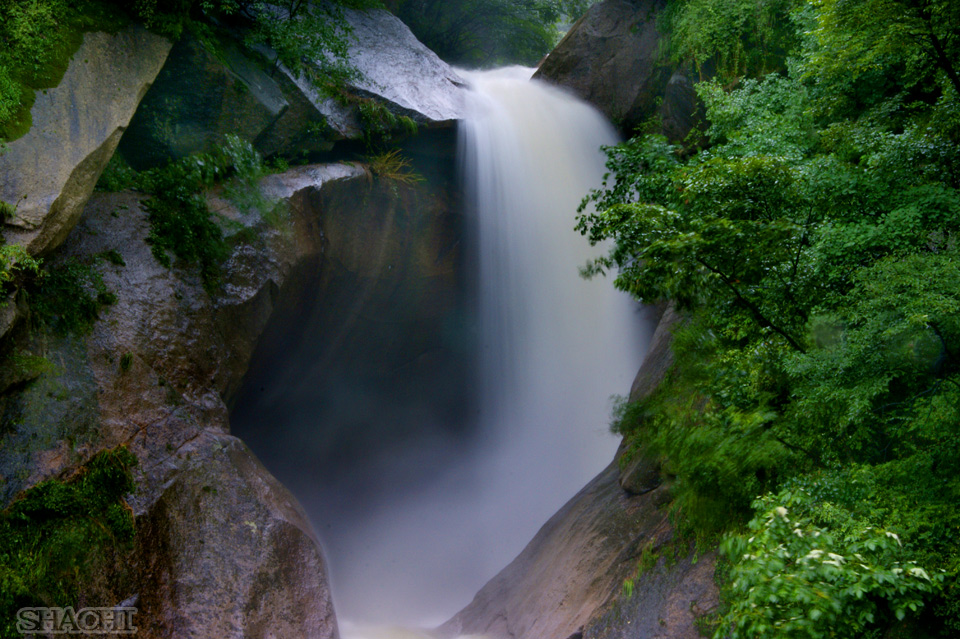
(199, 97)
(659, 357)
(398, 69)
(611, 58)
(224, 550)
(641, 475)
(50, 172)
(569, 578)
(239, 557)
(203, 94)
(12, 309)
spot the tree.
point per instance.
(487, 32)
(918, 36)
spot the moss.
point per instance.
(68, 297)
(117, 176)
(26, 365)
(380, 125)
(113, 257)
(60, 536)
(181, 225)
(44, 44)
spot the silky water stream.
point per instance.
(413, 534)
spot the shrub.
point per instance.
(791, 578)
(57, 536)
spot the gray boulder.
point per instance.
(611, 58)
(203, 94)
(568, 581)
(399, 70)
(50, 172)
(239, 558)
(396, 70)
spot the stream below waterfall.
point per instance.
(412, 533)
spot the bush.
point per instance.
(791, 578)
(59, 535)
(67, 298)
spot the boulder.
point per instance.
(239, 557)
(611, 58)
(640, 475)
(208, 90)
(394, 69)
(568, 581)
(200, 96)
(399, 70)
(12, 309)
(49, 173)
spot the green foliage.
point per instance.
(792, 578)
(380, 125)
(482, 33)
(301, 31)
(813, 247)
(715, 400)
(67, 297)
(736, 37)
(59, 535)
(390, 165)
(118, 175)
(180, 222)
(861, 49)
(16, 265)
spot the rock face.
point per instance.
(239, 559)
(282, 112)
(568, 581)
(224, 551)
(49, 173)
(416, 82)
(611, 58)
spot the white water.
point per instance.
(554, 348)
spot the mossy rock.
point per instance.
(49, 172)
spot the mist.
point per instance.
(428, 455)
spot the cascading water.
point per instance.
(418, 501)
(553, 348)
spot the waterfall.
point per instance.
(553, 348)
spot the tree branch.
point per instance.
(750, 306)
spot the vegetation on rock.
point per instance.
(68, 296)
(62, 534)
(483, 33)
(180, 222)
(38, 38)
(813, 245)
